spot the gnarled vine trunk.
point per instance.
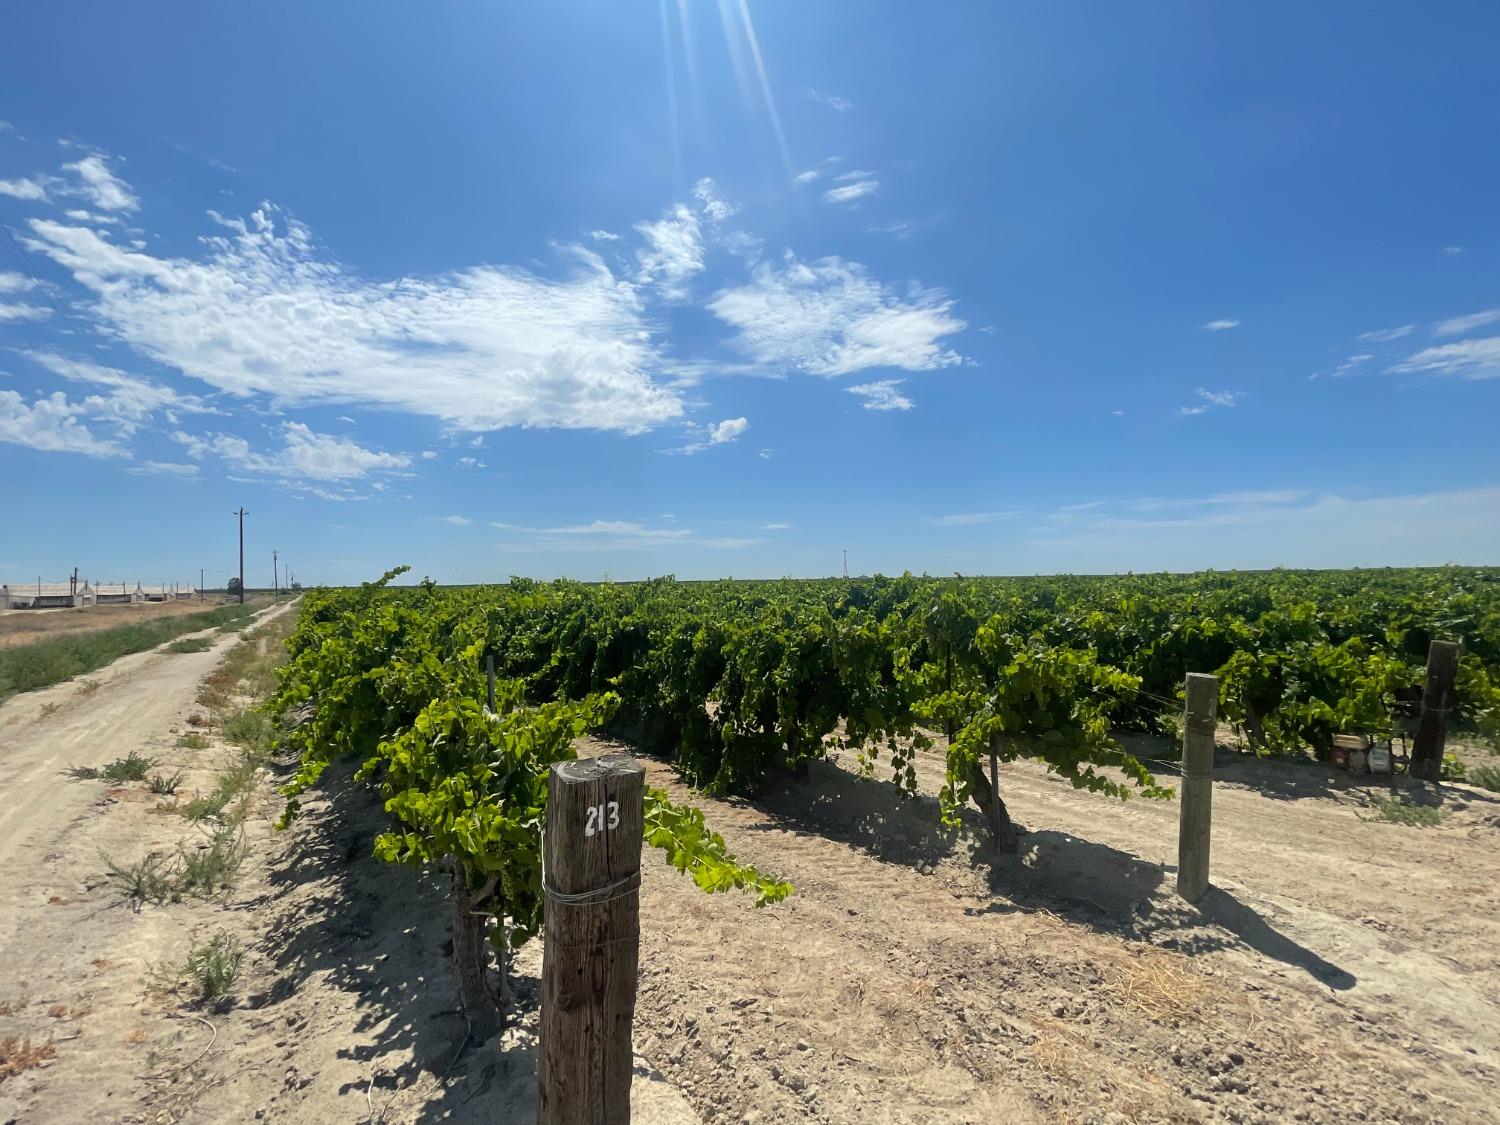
(485, 1001)
(988, 799)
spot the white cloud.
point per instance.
(305, 456)
(1386, 335)
(715, 208)
(101, 186)
(23, 312)
(608, 535)
(829, 317)
(1354, 361)
(264, 313)
(806, 177)
(429, 454)
(12, 282)
(1263, 496)
(1461, 325)
(882, 395)
(728, 430)
(458, 521)
(715, 433)
(28, 189)
(52, 424)
(970, 519)
(1221, 325)
(131, 401)
(1212, 399)
(832, 101)
(1451, 250)
(776, 527)
(1468, 359)
(6, 126)
(674, 252)
(472, 463)
(604, 236)
(848, 193)
(164, 469)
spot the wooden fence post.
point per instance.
(1197, 792)
(1437, 696)
(591, 856)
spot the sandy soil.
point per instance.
(1341, 970)
(25, 626)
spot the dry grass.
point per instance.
(1160, 987)
(18, 1055)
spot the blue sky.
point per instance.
(715, 289)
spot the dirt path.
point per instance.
(71, 954)
(1341, 970)
(344, 1008)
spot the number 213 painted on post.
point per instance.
(596, 820)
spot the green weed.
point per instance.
(213, 866)
(193, 742)
(150, 880)
(163, 785)
(1486, 777)
(132, 767)
(215, 965)
(190, 644)
(32, 666)
(1398, 811)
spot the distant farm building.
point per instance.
(45, 595)
(119, 593)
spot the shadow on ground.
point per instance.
(1085, 882)
(378, 935)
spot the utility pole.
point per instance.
(200, 583)
(241, 514)
(275, 581)
(846, 564)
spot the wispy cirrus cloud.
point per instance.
(852, 186)
(971, 519)
(1221, 325)
(1471, 360)
(830, 317)
(610, 535)
(1462, 325)
(458, 521)
(266, 313)
(1386, 335)
(673, 253)
(883, 394)
(1211, 400)
(832, 101)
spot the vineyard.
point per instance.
(739, 683)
